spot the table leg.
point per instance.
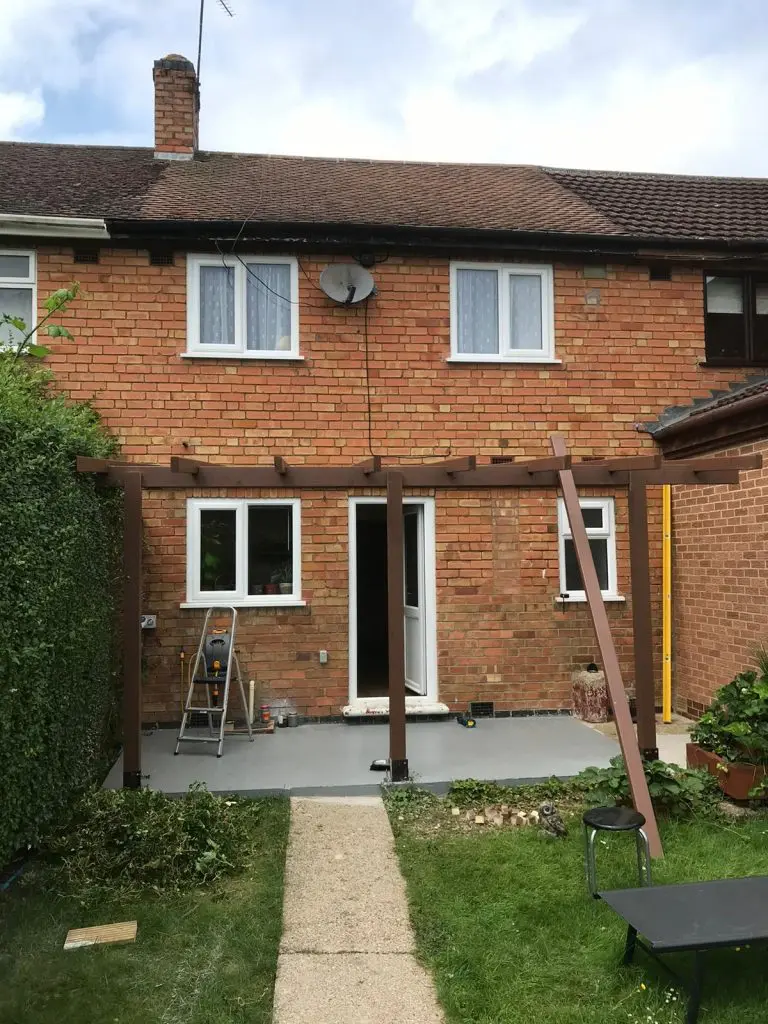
(629, 948)
(694, 999)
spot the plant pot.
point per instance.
(270, 588)
(286, 588)
(257, 588)
(735, 778)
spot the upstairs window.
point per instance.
(246, 307)
(601, 532)
(736, 317)
(17, 294)
(501, 313)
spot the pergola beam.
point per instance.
(281, 466)
(627, 739)
(132, 543)
(642, 620)
(180, 464)
(368, 466)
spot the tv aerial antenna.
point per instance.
(226, 6)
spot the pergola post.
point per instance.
(642, 629)
(627, 740)
(398, 760)
(132, 541)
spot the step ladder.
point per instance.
(212, 671)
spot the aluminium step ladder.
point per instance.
(212, 670)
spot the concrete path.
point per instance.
(347, 952)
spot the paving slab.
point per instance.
(335, 758)
(343, 889)
(354, 988)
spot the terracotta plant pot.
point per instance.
(735, 778)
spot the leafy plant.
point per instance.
(122, 841)
(673, 789)
(736, 724)
(476, 793)
(56, 303)
(60, 557)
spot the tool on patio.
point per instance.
(465, 719)
(212, 670)
(615, 819)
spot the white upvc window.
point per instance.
(502, 312)
(243, 306)
(599, 519)
(243, 552)
(18, 293)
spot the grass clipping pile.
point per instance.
(127, 842)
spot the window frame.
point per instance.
(198, 598)
(507, 354)
(748, 280)
(606, 532)
(19, 282)
(239, 349)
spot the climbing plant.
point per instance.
(59, 573)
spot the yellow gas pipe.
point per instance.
(666, 583)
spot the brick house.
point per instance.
(510, 301)
(720, 539)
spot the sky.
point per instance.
(645, 85)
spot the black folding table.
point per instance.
(693, 917)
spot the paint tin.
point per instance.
(264, 715)
(293, 719)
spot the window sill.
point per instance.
(276, 357)
(501, 360)
(615, 598)
(273, 601)
(745, 364)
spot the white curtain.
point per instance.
(217, 305)
(268, 306)
(525, 311)
(15, 302)
(477, 299)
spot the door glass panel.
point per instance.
(218, 549)
(270, 549)
(573, 580)
(593, 518)
(411, 546)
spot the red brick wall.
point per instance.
(500, 634)
(720, 582)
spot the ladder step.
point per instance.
(205, 711)
(198, 739)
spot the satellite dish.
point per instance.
(346, 283)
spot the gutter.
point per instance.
(53, 227)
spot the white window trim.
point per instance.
(23, 282)
(197, 598)
(506, 354)
(239, 349)
(607, 532)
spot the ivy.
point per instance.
(59, 552)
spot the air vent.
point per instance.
(481, 708)
(161, 259)
(659, 272)
(86, 255)
(501, 460)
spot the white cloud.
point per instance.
(494, 80)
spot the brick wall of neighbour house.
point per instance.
(628, 347)
(720, 582)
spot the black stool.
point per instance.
(615, 819)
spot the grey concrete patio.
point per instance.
(336, 758)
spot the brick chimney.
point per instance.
(177, 108)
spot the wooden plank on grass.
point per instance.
(101, 934)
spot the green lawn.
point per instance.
(208, 957)
(504, 923)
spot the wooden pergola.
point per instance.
(636, 473)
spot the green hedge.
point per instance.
(59, 574)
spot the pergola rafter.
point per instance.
(636, 472)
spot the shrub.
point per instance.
(673, 789)
(59, 552)
(124, 841)
(736, 723)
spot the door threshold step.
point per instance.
(378, 707)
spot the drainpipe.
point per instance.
(666, 643)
